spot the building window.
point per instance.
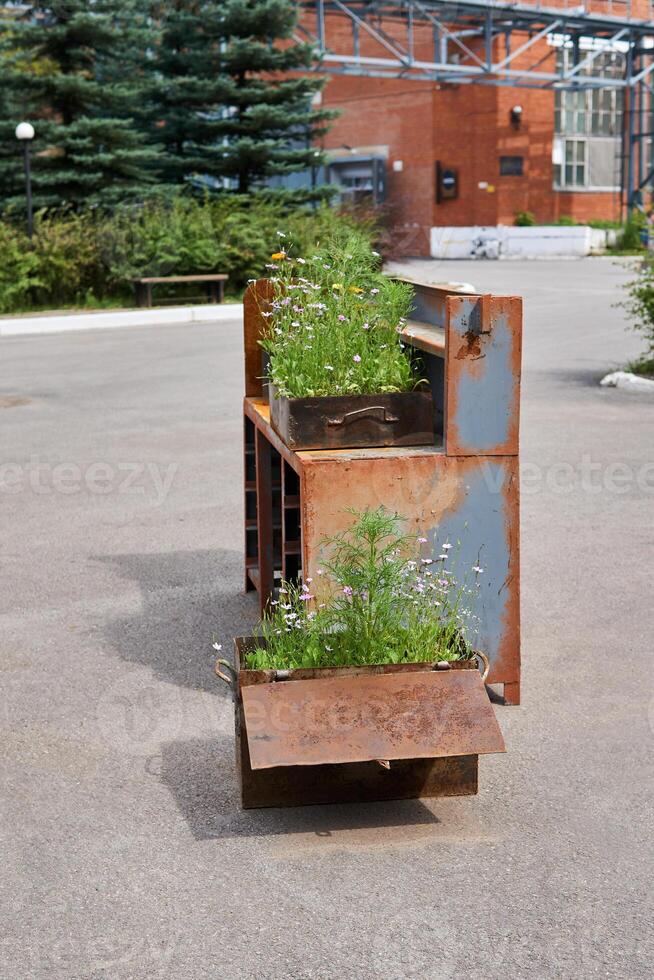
(511, 166)
(571, 166)
(588, 123)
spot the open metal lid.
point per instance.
(361, 718)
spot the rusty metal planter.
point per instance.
(347, 734)
(353, 421)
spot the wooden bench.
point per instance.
(215, 286)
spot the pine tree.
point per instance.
(226, 108)
(75, 69)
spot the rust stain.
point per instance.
(471, 349)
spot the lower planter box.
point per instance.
(356, 734)
(353, 421)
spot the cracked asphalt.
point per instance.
(124, 853)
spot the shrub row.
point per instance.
(89, 258)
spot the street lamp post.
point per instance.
(25, 135)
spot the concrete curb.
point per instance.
(103, 320)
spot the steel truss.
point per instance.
(491, 42)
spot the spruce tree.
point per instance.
(225, 107)
(75, 69)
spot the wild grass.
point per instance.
(385, 603)
(335, 323)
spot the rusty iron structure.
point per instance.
(355, 734)
(462, 488)
(499, 43)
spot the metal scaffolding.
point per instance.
(485, 42)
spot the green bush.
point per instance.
(89, 258)
(640, 305)
(524, 219)
(565, 221)
(630, 240)
(19, 269)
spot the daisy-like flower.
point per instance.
(337, 286)
(355, 289)
(281, 234)
(373, 292)
(357, 358)
(328, 367)
(365, 326)
(477, 569)
(341, 317)
(295, 323)
(217, 646)
(347, 590)
(446, 547)
(278, 256)
(422, 540)
(301, 261)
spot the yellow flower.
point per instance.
(278, 255)
(355, 289)
(337, 285)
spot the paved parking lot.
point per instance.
(124, 853)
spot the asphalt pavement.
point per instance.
(124, 853)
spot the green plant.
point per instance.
(524, 219)
(630, 240)
(565, 220)
(19, 269)
(376, 600)
(89, 257)
(640, 305)
(335, 323)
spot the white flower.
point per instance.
(282, 234)
(301, 261)
(217, 646)
(477, 569)
(328, 367)
(446, 547)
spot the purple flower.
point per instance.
(365, 326)
(341, 317)
(347, 590)
(373, 292)
(422, 540)
(356, 358)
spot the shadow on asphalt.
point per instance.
(201, 775)
(190, 599)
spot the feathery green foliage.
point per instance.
(388, 604)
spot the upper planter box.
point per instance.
(341, 421)
(353, 421)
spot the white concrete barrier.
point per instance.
(513, 242)
(104, 319)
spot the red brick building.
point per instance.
(554, 154)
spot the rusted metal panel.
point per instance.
(469, 501)
(364, 718)
(354, 421)
(482, 375)
(256, 300)
(354, 782)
